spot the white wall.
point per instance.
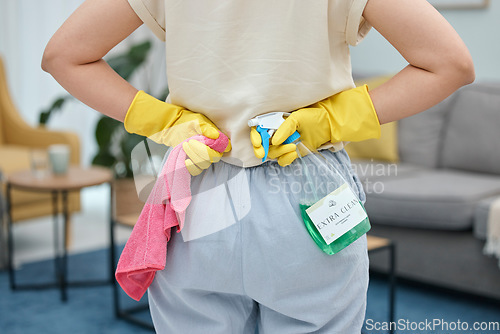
(25, 28)
(480, 30)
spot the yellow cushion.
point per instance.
(386, 147)
(383, 149)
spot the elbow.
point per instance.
(45, 64)
(462, 70)
(48, 60)
(468, 72)
(53, 58)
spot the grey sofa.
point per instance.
(434, 203)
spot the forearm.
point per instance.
(414, 90)
(97, 85)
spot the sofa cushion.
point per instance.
(435, 199)
(472, 135)
(420, 135)
(373, 170)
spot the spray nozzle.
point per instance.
(270, 120)
(266, 125)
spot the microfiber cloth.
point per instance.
(146, 249)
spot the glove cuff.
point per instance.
(354, 116)
(145, 114)
(370, 108)
(128, 122)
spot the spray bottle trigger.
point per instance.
(264, 136)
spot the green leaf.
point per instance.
(104, 158)
(44, 118)
(105, 128)
(57, 105)
(140, 51)
(163, 95)
(126, 64)
(129, 142)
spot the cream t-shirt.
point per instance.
(235, 59)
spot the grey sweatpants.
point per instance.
(245, 260)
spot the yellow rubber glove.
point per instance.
(168, 124)
(285, 153)
(256, 140)
(346, 116)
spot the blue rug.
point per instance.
(89, 310)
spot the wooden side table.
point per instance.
(76, 178)
(376, 244)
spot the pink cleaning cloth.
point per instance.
(146, 249)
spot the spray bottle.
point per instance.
(331, 211)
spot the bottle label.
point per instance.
(336, 213)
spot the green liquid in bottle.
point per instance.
(340, 243)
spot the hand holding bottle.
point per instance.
(346, 116)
